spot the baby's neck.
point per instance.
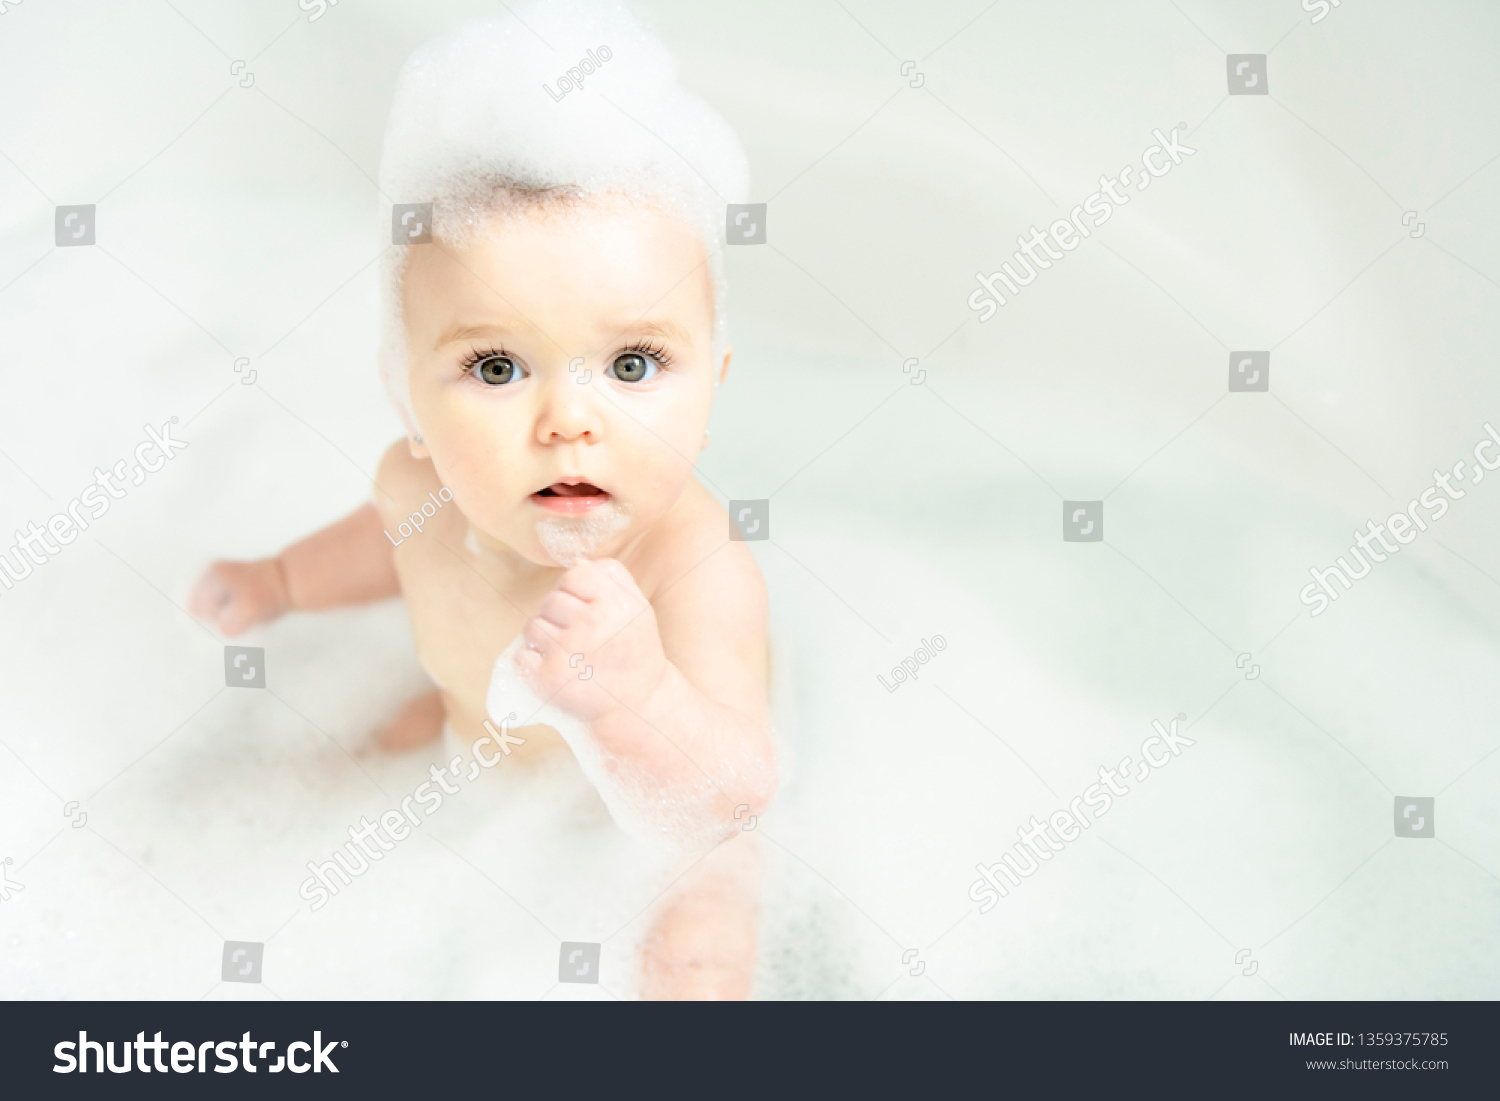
(490, 550)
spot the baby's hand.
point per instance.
(233, 596)
(594, 646)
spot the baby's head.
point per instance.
(556, 348)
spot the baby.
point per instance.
(554, 353)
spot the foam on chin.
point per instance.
(566, 539)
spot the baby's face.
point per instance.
(561, 373)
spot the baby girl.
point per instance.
(554, 353)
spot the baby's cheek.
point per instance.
(477, 460)
(664, 468)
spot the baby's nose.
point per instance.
(569, 414)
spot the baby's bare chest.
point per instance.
(463, 612)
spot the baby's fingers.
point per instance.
(210, 595)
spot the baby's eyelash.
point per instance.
(478, 356)
(647, 348)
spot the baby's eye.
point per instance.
(497, 370)
(632, 367)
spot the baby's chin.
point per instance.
(558, 538)
(566, 536)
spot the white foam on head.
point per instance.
(475, 129)
(566, 539)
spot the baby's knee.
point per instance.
(702, 946)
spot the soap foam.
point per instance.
(566, 539)
(634, 799)
(474, 130)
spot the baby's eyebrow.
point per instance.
(664, 328)
(471, 332)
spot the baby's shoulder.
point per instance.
(691, 558)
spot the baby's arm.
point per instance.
(673, 695)
(348, 562)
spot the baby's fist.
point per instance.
(233, 596)
(593, 646)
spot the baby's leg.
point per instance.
(418, 723)
(701, 944)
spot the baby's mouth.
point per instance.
(570, 498)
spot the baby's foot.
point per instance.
(419, 722)
(701, 946)
(234, 596)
